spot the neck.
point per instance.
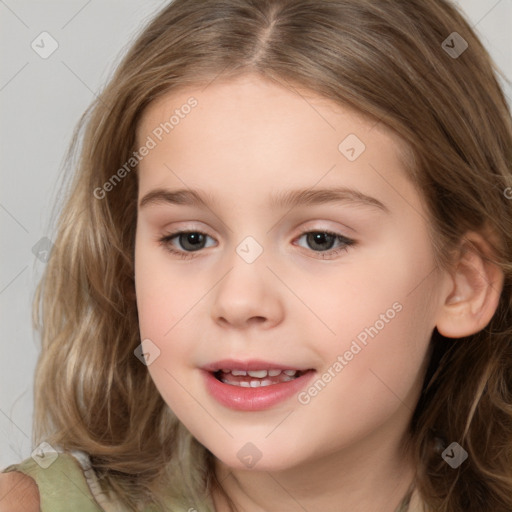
(374, 476)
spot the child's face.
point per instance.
(361, 318)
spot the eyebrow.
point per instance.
(284, 199)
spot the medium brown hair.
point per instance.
(386, 60)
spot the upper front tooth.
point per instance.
(257, 373)
(260, 374)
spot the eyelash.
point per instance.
(165, 241)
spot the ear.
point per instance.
(474, 292)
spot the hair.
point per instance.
(384, 59)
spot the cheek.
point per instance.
(383, 320)
(398, 271)
(166, 317)
(159, 316)
(162, 299)
(373, 370)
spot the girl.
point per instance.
(264, 371)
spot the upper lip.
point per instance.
(250, 365)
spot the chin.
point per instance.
(249, 458)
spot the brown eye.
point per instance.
(188, 242)
(191, 241)
(322, 242)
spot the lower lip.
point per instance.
(254, 399)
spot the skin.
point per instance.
(246, 139)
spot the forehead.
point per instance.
(262, 133)
(251, 98)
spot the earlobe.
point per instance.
(476, 285)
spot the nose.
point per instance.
(248, 294)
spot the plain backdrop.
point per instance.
(41, 100)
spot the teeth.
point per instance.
(259, 373)
(258, 377)
(255, 383)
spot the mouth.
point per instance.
(257, 378)
(254, 385)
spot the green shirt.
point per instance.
(62, 486)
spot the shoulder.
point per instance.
(51, 482)
(18, 493)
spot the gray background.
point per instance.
(41, 100)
